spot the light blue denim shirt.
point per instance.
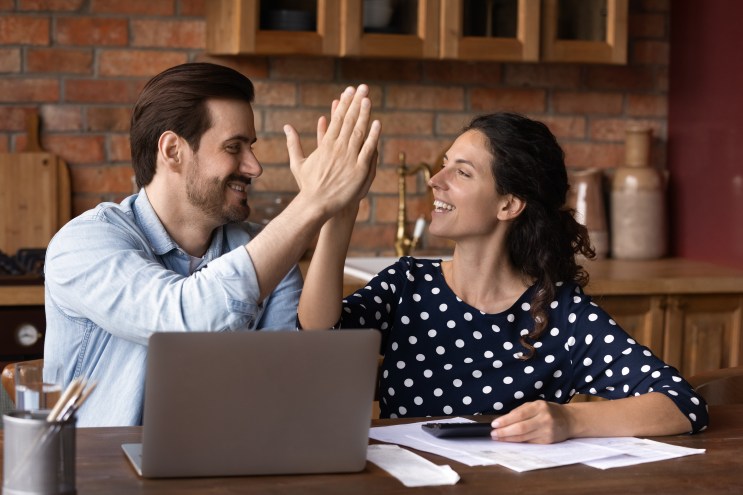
(114, 276)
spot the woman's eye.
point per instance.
(462, 173)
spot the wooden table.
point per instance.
(102, 468)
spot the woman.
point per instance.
(504, 327)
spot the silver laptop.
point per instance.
(254, 403)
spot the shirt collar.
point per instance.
(159, 238)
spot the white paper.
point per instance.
(411, 469)
(601, 453)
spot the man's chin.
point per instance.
(236, 214)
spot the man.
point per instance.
(179, 255)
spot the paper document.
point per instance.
(411, 469)
(601, 453)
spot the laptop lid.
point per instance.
(250, 403)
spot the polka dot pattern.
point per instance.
(444, 357)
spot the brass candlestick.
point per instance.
(404, 244)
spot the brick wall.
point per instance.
(81, 64)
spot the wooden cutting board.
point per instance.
(34, 195)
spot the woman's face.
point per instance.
(465, 201)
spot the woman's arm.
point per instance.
(651, 414)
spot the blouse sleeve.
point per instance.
(375, 305)
(609, 363)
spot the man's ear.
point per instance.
(511, 207)
(169, 150)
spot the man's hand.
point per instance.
(340, 171)
(533, 422)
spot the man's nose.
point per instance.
(250, 165)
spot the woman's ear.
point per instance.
(169, 150)
(511, 207)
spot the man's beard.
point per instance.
(208, 194)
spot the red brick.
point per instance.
(118, 148)
(598, 155)
(514, 100)
(91, 31)
(386, 209)
(424, 97)
(7, 5)
(304, 68)
(252, 67)
(271, 150)
(587, 102)
(385, 182)
(53, 5)
(27, 30)
(322, 95)
(620, 78)
(10, 60)
(373, 237)
(277, 179)
(269, 93)
(102, 90)
(647, 105)
(146, 7)
(4, 145)
(451, 124)
(416, 150)
(81, 204)
(656, 5)
(192, 8)
(543, 75)
(29, 90)
(465, 73)
(102, 179)
(169, 34)
(13, 118)
(59, 60)
(648, 26)
(567, 127)
(650, 52)
(137, 62)
(406, 123)
(108, 119)
(365, 70)
(77, 149)
(303, 120)
(58, 118)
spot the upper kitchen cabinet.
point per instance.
(273, 27)
(501, 30)
(390, 28)
(592, 31)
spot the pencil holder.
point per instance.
(38, 455)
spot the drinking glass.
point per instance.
(32, 393)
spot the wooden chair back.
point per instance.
(718, 387)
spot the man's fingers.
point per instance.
(322, 128)
(339, 113)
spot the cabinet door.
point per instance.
(703, 332)
(272, 27)
(640, 316)
(592, 31)
(387, 28)
(503, 30)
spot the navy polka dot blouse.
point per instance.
(443, 357)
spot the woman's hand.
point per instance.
(533, 422)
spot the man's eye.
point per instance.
(234, 149)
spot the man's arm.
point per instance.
(330, 179)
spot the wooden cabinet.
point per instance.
(580, 31)
(498, 30)
(689, 313)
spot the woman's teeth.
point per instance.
(441, 206)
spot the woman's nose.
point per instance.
(436, 181)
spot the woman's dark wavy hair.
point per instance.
(175, 100)
(544, 239)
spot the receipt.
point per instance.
(411, 469)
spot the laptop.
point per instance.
(256, 403)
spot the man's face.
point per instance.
(219, 173)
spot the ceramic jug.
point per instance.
(638, 202)
(586, 197)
